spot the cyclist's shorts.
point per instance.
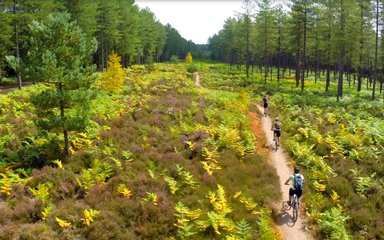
(265, 105)
(298, 192)
(277, 133)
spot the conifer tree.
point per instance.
(188, 58)
(113, 79)
(58, 55)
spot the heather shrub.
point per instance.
(108, 225)
(27, 211)
(6, 212)
(156, 222)
(97, 194)
(63, 180)
(37, 231)
(8, 230)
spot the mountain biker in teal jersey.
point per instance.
(293, 180)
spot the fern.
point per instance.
(123, 190)
(334, 196)
(210, 167)
(127, 155)
(88, 216)
(117, 163)
(184, 223)
(101, 171)
(63, 223)
(9, 178)
(151, 169)
(333, 224)
(87, 180)
(243, 230)
(58, 163)
(151, 197)
(172, 184)
(47, 212)
(42, 191)
(266, 226)
(187, 177)
(362, 183)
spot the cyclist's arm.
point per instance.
(288, 180)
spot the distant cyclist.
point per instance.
(296, 181)
(276, 127)
(265, 104)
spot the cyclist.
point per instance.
(276, 127)
(265, 104)
(296, 181)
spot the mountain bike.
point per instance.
(295, 207)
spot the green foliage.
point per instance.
(191, 68)
(9, 178)
(217, 219)
(185, 217)
(65, 107)
(172, 184)
(333, 224)
(139, 156)
(265, 224)
(41, 191)
(97, 174)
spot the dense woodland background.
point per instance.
(334, 39)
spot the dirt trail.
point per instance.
(289, 229)
(196, 76)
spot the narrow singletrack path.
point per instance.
(196, 76)
(290, 230)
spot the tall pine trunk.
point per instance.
(341, 51)
(376, 50)
(16, 29)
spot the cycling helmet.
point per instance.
(297, 169)
(276, 119)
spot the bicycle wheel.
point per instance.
(295, 208)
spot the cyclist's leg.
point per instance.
(291, 192)
(278, 134)
(299, 193)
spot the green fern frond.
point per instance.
(172, 184)
(42, 191)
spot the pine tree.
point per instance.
(113, 79)
(188, 58)
(5, 36)
(58, 55)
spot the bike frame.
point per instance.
(295, 207)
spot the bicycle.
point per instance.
(295, 207)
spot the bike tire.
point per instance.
(295, 209)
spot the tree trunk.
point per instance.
(16, 29)
(298, 65)
(328, 78)
(376, 50)
(67, 151)
(341, 51)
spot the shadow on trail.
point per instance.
(284, 217)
